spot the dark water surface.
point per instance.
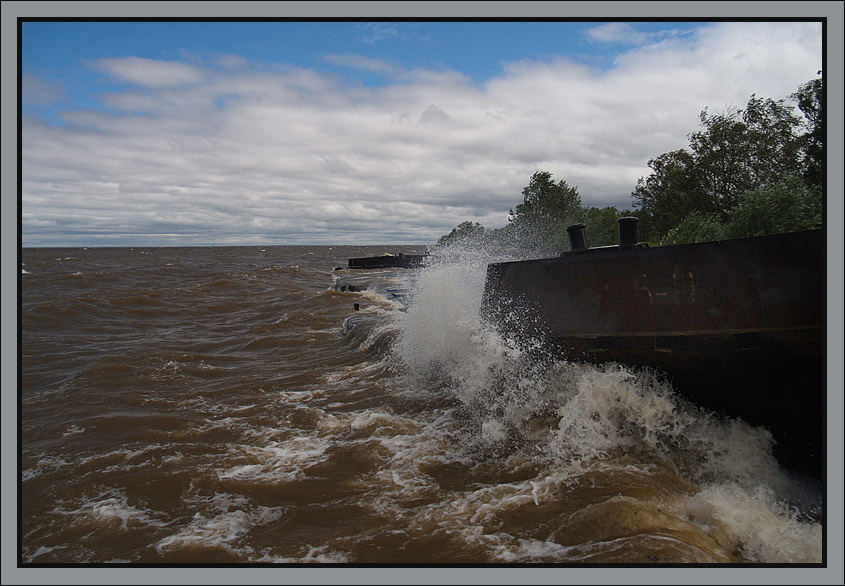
(208, 405)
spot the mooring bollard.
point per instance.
(628, 231)
(577, 236)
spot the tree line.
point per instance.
(746, 172)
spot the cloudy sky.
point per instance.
(195, 133)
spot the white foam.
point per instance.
(323, 554)
(577, 417)
(123, 458)
(225, 530)
(757, 523)
(110, 508)
(41, 550)
(278, 461)
(375, 423)
(217, 531)
(379, 298)
(533, 551)
(611, 408)
(46, 465)
(441, 322)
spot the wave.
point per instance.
(509, 398)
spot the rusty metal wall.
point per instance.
(738, 326)
(733, 285)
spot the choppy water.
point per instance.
(229, 405)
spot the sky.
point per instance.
(363, 132)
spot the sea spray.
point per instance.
(444, 343)
(514, 399)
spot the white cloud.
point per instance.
(291, 155)
(619, 32)
(365, 64)
(149, 72)
(376, 32)
(40, 91)
(232, 61)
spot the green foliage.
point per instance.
(670, 192)
(743, 150)
(646, 229)
(734, 153)
(543, 198)
(810, 99)
(697, 227)
(787, 206)
(540, 221)
(462, 233)
(602, 225)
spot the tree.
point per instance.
(744, 150)
(735, 152)
(464, 232)
(810, 99)
(602, 225)
(789, 205)
(544, 198)
(697, 227)
(670, 192)
(547, 208)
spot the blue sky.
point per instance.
(477, 49)
(170, 133)
(61, 51)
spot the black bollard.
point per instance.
(577, 236)
(628, 231)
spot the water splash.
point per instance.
(511, 397)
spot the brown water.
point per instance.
(229, 405)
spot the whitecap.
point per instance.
(110, 507)
(755, 522)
